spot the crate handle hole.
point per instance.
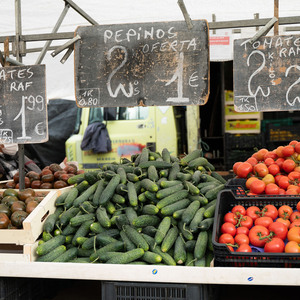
(45, 216)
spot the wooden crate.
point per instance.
(18, 253)
(33, 224)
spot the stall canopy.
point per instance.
(40, 16)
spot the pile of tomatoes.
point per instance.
(265, 229)
(272, 172)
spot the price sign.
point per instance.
(23, 109)
(267, 74)
(156, 63)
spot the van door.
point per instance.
(130, 130)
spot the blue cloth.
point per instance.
(96, 138)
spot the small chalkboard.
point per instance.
(161, 63)
(267, 74)
(23, 109)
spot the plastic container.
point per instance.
(225, 258)
(152, 291)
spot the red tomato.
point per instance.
(283, 182)
(285, 211)
(294, 175)
(284, 221)
(244, 248)
(279, 161)
(231, 218)
(288, 150)
(246, 221)
(293, 142)
(257, 187)
(292, 191)
(298, 206)
(294, 224)
(269, 178)
(256, 234)
(294, 234)
(292, 247)
(270, 154)
(253, 212)
(242, 230)
(279, 229)
(274, 169)
(295, 216)
(297, 147)
(241, 239)
(239, 210)
(288, 165)
(249, 181)
(259, 155)
(264, 221)
(275, 245)
(235, 166)
(244, 169)
(269, 161)
(252, 160)
(278, 151)
(281, 192)
(228, 228)
(226, 238)
(270, 211)
(272, 189)
(230, 248)
(261, 170)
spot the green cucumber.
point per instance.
(169, 239)
(179, 250)
(60, 200)
(82, 231)
(151, 257)
(100, 188)
(85, 195)
(121, 189)
(123, 178)
(173, 171)
(51, 220)
(218, 176)
(200, 262)
(149, 230)
(178, 214)
(164, 174)
(185, 230)
(102, 217)
(183, 176)
(209, 256)
(78, 220)
(68, 230)
(132, 194)
(67, 255)
(149, 185)
(116, 198)
(203, 201)
(80, 260)
(90, 243)
(131, 214)
(173, 198)
(74, 179)
(151, 196)
(210, 211)
(168, 183)
(201, 244)
(52, 254)
(122, 220)
(132, 177)
(81, 239)
(157, 164)
(191, 188)
(96, 227)
(129, 245)
(109, 190)
(85, 252)
(190, 261)
(90, 178)
(199, 161)
(197, 219)
(65, 217)
(48, 246)
(145, 220)
(213, 193)
(152, 173)
(87, 207)
(142, 197)
(46, 236)
(127, 257)
(190, 245)
(82, 186)
(136, 237)
(144, 155)
(193, 155)
(166, 156)
(114, 246)
(206, 224)
(104, 257)
(170, 209)
(196, 177)
(110, 207)
(150, 209)
(168, 191)
(208, 187)
(104, 239)
(190, 212)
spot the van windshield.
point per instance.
(100, 114)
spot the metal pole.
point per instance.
(55, 29)
(21, 152)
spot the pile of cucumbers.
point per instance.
(152, 209)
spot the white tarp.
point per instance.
(40, 16)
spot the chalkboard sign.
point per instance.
(267, 74)
(23, 109)
(148, 63)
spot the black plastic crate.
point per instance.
(152, 291)
(283, 133)
(244, 141)
(225, 258)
